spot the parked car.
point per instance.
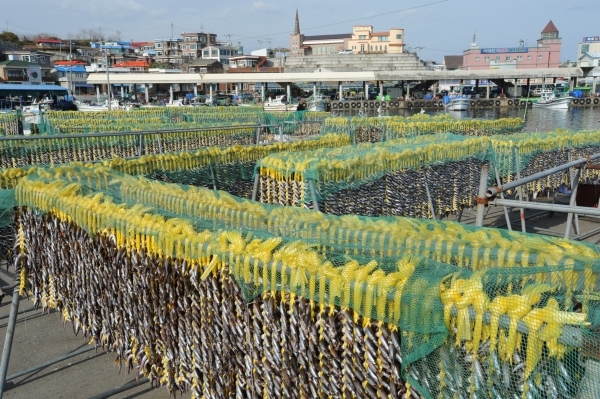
(345, 52)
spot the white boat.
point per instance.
(457, 104)
(549, 100)
(177, 103)
(318, 102)
(279, 104)
(97, 107)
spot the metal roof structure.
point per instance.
(30, 89)
(328, 76)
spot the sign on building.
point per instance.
(591, 39)
(504, 50)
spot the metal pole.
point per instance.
(107, 81)
(521, 211)
(289, 93)
(506, 215)
(160, 147)
(492, 191)
(50, 362)
(313, 193)
(429, 195)
(547, 207)
(572, 202)
(70, 69)
(341, 91)
(141, 145)
(97, 93)
(262, 91)
(147, 94)
(170, 94)
(481, 200)
(10, 332)
(255, 188)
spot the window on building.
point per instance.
(551, 35)
(362, 48)
(519, 58)
(159, 53)
(585, 48)
(385, 48)
(497, 58)
(540, 56)
(205, 53)
(26, 58)
(203, 39)
(508, 58)
(362, 37)
(192, 47)
(14, 72)
(215, 52)
(203, 70)
(158, 45)
(486, 59)
(398, 37)
(528, 57)
(476, 58)
(383, 38)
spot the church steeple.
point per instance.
(297, 25)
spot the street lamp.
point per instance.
(106, 52)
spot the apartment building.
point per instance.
(193, 43)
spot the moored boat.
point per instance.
(279, 104)
(550, 101)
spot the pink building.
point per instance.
(546, 54)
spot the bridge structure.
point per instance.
(503, 78)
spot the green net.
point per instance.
(419, 176)
(9, 123)
(389, 128)
(458, 310)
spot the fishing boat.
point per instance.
(549, 100)
(458, 103)
(317, 103)
(97, 107)
(279, 104)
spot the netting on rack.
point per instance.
(389, 128)
(9, 123)
(283, 298)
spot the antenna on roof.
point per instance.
(171, 30)
(201, 28)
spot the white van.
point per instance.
(345, 52)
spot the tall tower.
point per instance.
(548, 47)
(296, 38)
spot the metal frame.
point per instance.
(488, 196)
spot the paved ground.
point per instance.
(39, 338)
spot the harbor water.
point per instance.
(536, 120)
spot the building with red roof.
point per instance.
(49, 43)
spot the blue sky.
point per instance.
(439, 27)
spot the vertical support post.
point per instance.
(366, 91)
(262, 91)
(506, 215)
(429, 196)
(146, 92)
(313, 194)
(481, 197)
(341, 91)
(488, 90)
(170, 94)
(122, 92)
(237, 87)
(141, 145)
(520, 189)
(314, 90)
(158, 138)
(211, 89)
(381, 97)
(97, 93)
(213, 177)
(195, 90)
(289, 93)
(255, 188)
(571, 84)
(594, 83)
(574, 186)
(10, 333)
(407, 90)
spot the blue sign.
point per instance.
(504, 50)
(591, 39)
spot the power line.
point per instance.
(349, 20)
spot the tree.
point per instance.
(10, 37)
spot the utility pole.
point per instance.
(107, 78)
(70, 68)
